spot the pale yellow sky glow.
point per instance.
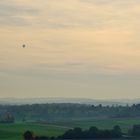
(74, 48)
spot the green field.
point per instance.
(125, 124)
(15, 131)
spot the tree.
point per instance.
(116, 132)
(28, 135)
(7, 118)
(93, 132)
(73, 133)
(136, 130)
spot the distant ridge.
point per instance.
(22, 101)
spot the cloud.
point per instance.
(73, 46)
(13, 14)
(95, 14)
(88, 14)
(59, 32)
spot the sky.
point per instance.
(74, 49)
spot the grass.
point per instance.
(125, 124)
(15, 131)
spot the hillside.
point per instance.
(68, 111)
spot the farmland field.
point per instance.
(15, 131)
(125, 124)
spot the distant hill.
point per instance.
(22, 101)
(68, 111)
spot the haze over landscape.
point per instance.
(74, 49)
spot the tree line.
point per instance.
(54, 112)
(78, 133)
(92, 133)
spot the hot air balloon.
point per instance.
(23, 45)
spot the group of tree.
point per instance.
(54, 112)
(92, 133)
(135, 131)
(7, 118)
(78, 133)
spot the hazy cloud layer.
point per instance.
(80, 44)
(13, 14)
(74, 13)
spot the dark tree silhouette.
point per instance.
(28, 135)
(117, 131)
(73, 133)
(136, 130)
(92, 133)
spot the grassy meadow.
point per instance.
(16, 130)
(125, 124)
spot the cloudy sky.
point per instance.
(74, 48)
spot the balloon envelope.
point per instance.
(23, 46)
